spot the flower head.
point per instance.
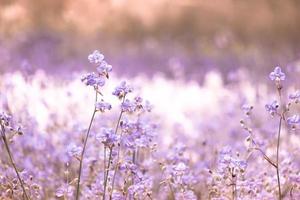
(102, 106)
(74, 150)
(277, 75)
(122, 90)
(295, 96)
(96, 57)
(104, 68)
(272, 107)
(293, 120)
(94, 80)
(107, 137)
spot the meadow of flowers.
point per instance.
(97, 135)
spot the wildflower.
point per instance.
(128, 106)
(272, 107)
(104, 69)
(122, 90)
(295, 119)
(247, 109)
(94, 80)
(5, 119)
(74, 150)
(277, 75)
(295, 96)
(96, 57)
(102, 106)
(64, 190)
(107, 137)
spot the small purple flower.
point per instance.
(277, 74)
(64, 190)
(102, 106)
(74, 150)
(107, 137)
(104, 68)
(247, 109)
(122, 90)
(128, 106)
(295, 96)
(272, 107)
(94, 80)
(293, 120)
(5, 119)
(96, 57)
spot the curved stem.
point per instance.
(12, 160)
(83, 150)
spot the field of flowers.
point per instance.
(97, 135)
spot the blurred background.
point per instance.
(176, 38)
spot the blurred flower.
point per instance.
(277, 74)
(295, 96)
(93, 79)
(128, 106)
(5, 119)
(96, 57)
(272, 107)
(107, 137)
(295, 119)
(102, 106)
(74, 150)
(104, 69)
(122, 90)
(64, 190)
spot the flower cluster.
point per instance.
(97, 79)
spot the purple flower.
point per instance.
(102, 106)
(122, 90)
(295, 96)
(272, 107)
(293, 120)
(277, 74)
(5, 119)
(74, 150)
(107, 137)
(104, 69)
(64, 190)
(128, 106)
(94, 80)
(96, 57)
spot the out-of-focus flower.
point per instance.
(74, 150)
(295, 96)
(93, 79)
(128, 106)
(107, 137)
(277, 74)
(96, 57)
(272, 107)
(185, 195)
(64, 190)
(102, 106)
(5, 119)
(122, 90)
(104, 68)
(247, 109)
(293, 120)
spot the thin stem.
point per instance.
(277, 158)
(266, 157)
(83, 150)
(118, 154)
(12, 161)
(107, 171)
